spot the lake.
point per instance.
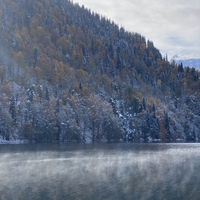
(100, 171)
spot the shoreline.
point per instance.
(90, 142)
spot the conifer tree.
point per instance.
(47, 94)
(180, 68)
(118, 62)
(87, 55)
(153, 108)
(112, 71)
(111, 51)
(106, 60)
(83, 50)
(36, 54)
(167, 128)
(58, 124)
(101, 69)
(60, 30)
(84, 62)
(144, 103)
(60, 49)
(77, 58)
(66, 32)
(12, 109)
(155, 127)
(146, 126)
(14, 18)
(4, 17)
(130, 63)
(80, 86)
(92, 47)
(14, 44)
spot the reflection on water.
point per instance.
(100, 171)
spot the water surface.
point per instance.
(100, 171)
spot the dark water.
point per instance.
(100, 171)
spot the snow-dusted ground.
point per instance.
(13, 141)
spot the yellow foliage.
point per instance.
(47, 41)
(6, 88)
(82, 75)
(64, 43)
(151, 55)
(17, 37)
(55, 35)
(145, 89)
(139, 79)
(76, 87)
(55, 76)
(38, 72)
(45, 64)
(73, 30)
(20, 59)
(40, 33)
(158, 101)
(141, 50)
(106, 80)
(86, 91)
(61, 71)
(159, 83)
(24, 34)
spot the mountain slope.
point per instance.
(69, 74)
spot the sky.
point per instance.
(172, 25)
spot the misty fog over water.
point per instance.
(100, 171)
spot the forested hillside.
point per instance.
(69, 74)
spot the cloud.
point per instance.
(172, 25)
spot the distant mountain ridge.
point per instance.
(190, 58)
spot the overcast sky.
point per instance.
(173, 25)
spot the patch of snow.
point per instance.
(13, 141)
